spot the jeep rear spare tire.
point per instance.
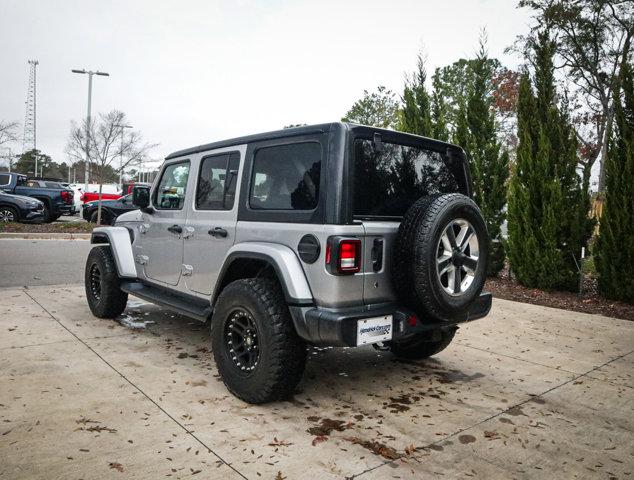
(440, 256)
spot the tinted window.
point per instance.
(217, 182)
(286, 177)
(170, 193)
(5, 179)
(387, 183)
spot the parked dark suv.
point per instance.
(110, 209)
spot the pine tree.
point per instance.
(440, 129)
(415, 116)
(489, 167)
(615, 245)
(546, 214)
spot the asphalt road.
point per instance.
(42, 262)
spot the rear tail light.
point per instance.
(67, 197)
(343, 255)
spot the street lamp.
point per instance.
(90, 73)
(122, 127)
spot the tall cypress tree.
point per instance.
(615, 245)
(546, 203)
(415, 116)
(489, 167)
(440, 129)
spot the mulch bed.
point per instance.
(55, 227)
(588, 302)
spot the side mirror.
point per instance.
(141, 197)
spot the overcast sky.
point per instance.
(191, 72)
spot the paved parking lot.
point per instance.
(529, 392)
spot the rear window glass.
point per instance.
(388, 182)
(286, 177)
(5, 179)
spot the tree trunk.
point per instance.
(604, 150)
(99, 203)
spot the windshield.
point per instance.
(388, 182)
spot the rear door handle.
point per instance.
(175, 229)
(218, 232)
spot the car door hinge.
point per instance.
(142, 259)
(188, 232)
(187, 270)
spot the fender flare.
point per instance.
(283, 260)
(121, 246)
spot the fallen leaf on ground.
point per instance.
(319, 439)
(116, 466)
(279, 443)
(376, 448)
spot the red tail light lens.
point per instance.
(343, 255)
(349, 253)
(67, 197)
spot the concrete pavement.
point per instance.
(42, 262)
(529, 392)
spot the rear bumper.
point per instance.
(326, 327)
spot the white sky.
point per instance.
(191, 72)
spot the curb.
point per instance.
(44, 236)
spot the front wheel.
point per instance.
(258, 353)
(8, 214)
(423, 345)
(103, 292)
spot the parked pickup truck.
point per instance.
(57, 201)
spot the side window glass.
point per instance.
(217, 182)
(4, 180)
(286, 177)
(171, 190)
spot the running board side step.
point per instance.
(187, 305)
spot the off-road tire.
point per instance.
(423, 345)
(414, 257)
(106, 300)
(8, 212)
(282, 353)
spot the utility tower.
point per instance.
(29, 140)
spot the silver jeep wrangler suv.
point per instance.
(333, 234)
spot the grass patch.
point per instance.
(55, 227)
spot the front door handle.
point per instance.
(175, 229)
(218, 232)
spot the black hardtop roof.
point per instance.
(296, 131)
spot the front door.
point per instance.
(164, 228)
(211, 224)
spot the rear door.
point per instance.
(211, 224)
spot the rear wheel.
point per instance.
(105, 218)
(423, 345)
(103, 292)
(258, 353)
(8, 214)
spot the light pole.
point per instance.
(90, 73)
(121, 155)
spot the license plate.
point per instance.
(373, 330)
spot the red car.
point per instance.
(92, 196)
